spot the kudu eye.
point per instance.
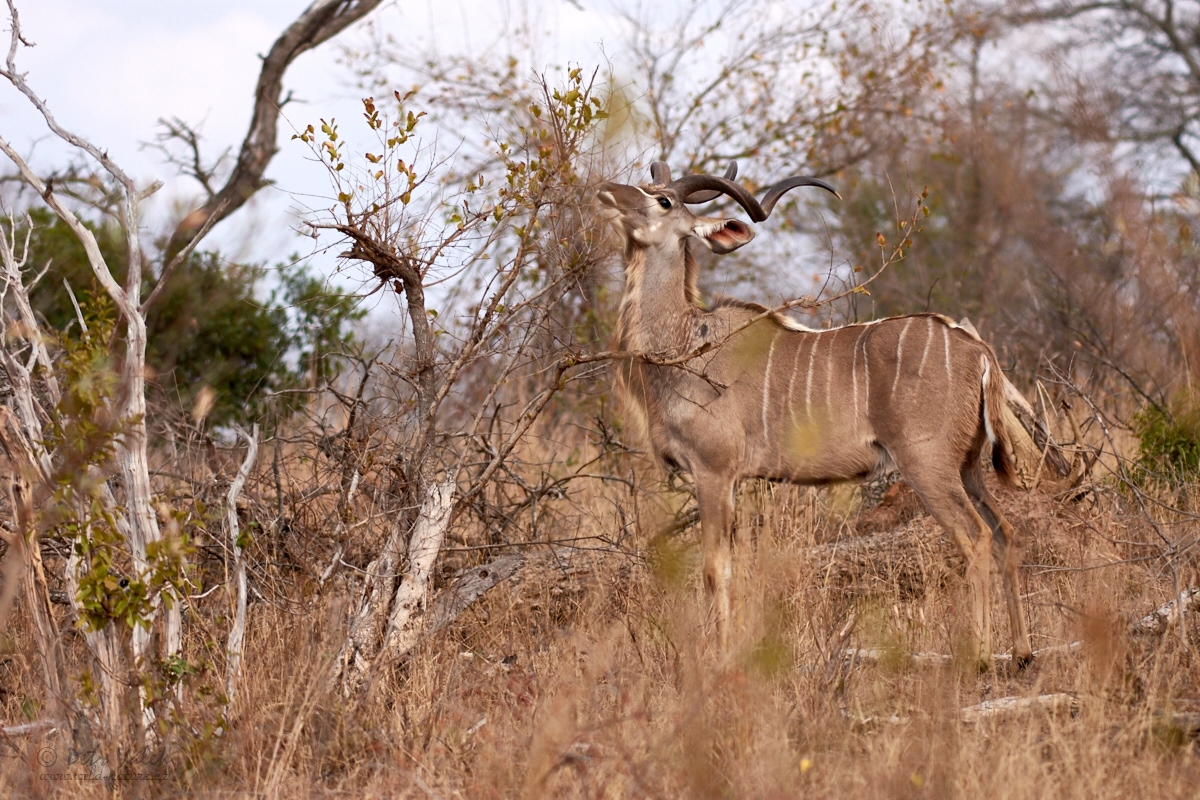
(664, 202)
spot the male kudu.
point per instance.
(773, 399)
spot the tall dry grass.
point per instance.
(593, 673)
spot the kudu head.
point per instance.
(653, 215)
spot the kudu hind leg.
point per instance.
(715, 497)
(1006, 547)
(947, 501)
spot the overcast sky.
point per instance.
(110, 69)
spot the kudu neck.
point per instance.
(660, 294)
(664, 275)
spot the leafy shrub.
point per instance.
(210, 329)
(1170, 439)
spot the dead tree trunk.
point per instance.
(391, 602)
(233, 649)
(23, 439)
(411, 601)
(24, 547)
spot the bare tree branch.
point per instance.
(320, 22)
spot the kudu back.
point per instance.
(776, 400)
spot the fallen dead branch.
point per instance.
(28, 728)
(1161, 619)
(1178, 726)
(1156, 622)
(875, 655)
(1181, 726)
(1058, 702)
(469, 587)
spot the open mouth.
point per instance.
(723, 234)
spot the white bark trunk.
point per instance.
(131, 453)
(37, 599)
(367, 635)
(410, 602)
(108, 665)
(233, 650)
(135, 472)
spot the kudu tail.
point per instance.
(1012, 448)
(1022, 449)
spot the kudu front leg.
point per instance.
(715, 497)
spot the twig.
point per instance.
(337, 558)
(180, 257)
(75, 303)
(1156, 622)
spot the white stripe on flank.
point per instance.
(767, 384)
(829, 377)
(808, 380)
(866, 373)
(928, 339)
(946, 347)
(854, 373)
(900, 353)
(792, 380)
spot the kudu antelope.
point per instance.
(780, 401)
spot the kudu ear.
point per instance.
(722, 235)
(618, 195)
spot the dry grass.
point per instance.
(593, 675)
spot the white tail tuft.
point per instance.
(987, 421)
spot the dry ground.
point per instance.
(591, 674)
